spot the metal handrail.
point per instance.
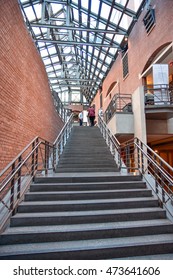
(136, 157)
(61, 140)
(155, 171)
(7, 167)
(120, 103)
(37, 157)
(111, 141)
(158, 94)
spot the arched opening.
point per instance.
(111, 88)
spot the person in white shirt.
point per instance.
(80, 116)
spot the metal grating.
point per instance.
(79, 40)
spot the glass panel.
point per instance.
(55, 59)
(37, 8)
(125, 22)
(108, 60)
(56, 8)
(105, 11)
(104, 68)
(47, 61)
(56, 67)
(44, 53)
(84, 3)
(134, 5)
(30, 14)
(84, 18)
(49, 69)
(95, 6)
(115, 16)
(75, 1)
(51, 50)
(76, 14)
(93, 23)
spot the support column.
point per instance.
(139, 114)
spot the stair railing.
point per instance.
(137, 158)
(15, 179)
(111, 142)
(38, 157)
(61, 140)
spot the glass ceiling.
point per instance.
(79, 40)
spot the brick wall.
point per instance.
(141, 47)
(26, 104)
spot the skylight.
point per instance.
(79, 39)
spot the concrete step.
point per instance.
(80, 157)
(99, 177)
(86, 160)
(86, 169)
(150, 257)
(80, 205)
(85, 165)
(18, 235)
(87, 147)
(91, 249)
(85, 153)
(85, 195)
(98, 141)
(86, 186)
(82, 217)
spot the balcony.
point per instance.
(119, 116)
(159, 102)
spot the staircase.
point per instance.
(86, 152)
(89, 213)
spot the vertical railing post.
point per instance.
(142, 159)
(126, 157)
(33, 160)
(108, 133)
(162, 185)
(155, 170)
(54, 157)
(138, 155)
(19, 178)
(36, 155)
(46, 157)
(119, 158)
(12, 188)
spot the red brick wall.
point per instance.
(141, 47)
(26, 104)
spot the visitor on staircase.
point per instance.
(80, 116)
(91, 115)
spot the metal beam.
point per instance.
(70, 85)
(65, 43)
(72, 79)
(57, 2)
(65, 27)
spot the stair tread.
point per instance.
(150, 257)
(87, 227)
(88, 192)
(110, 177)
(89, 183)
(63, 202)
(91, 244)
(86, 213)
